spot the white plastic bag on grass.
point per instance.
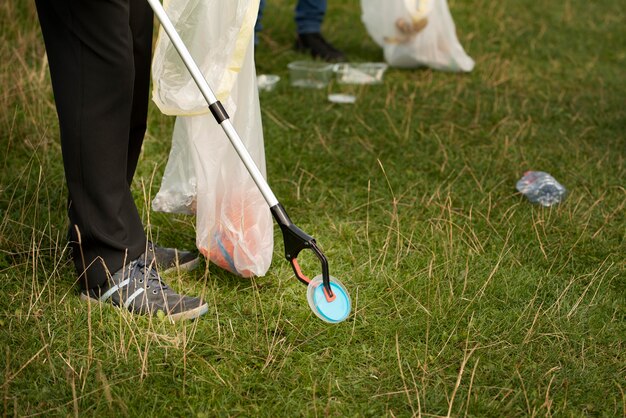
(415, 33)
(204, 175)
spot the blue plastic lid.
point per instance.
(332, 312)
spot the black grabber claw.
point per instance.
(297, 240)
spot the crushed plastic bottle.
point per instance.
(540, 187)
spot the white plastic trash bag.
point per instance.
(415, 33)
(204, 175)
(217, 34)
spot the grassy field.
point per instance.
(467, 299)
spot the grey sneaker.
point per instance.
(171, 259)
(139, 288)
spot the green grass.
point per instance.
(467, 299)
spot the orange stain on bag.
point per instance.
(233, 244)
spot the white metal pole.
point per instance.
(206, 91)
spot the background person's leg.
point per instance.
(258, 26)
(92, 63)
(309, 15)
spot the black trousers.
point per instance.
(99, 53)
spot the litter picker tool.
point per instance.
(326, 295)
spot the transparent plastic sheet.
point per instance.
(416, 33)
(204, 175)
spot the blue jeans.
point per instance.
(309, 15)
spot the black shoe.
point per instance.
(318, 47)
(171, 259)
(138, 288)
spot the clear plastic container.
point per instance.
(540, 187)
(310, 74)
(363, 73)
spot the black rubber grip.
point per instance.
(219, 113)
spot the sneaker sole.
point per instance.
(191, 314)
(188, 266)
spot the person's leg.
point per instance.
(141, 18)
(92, 63)
(258, 26)
(309, 15)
